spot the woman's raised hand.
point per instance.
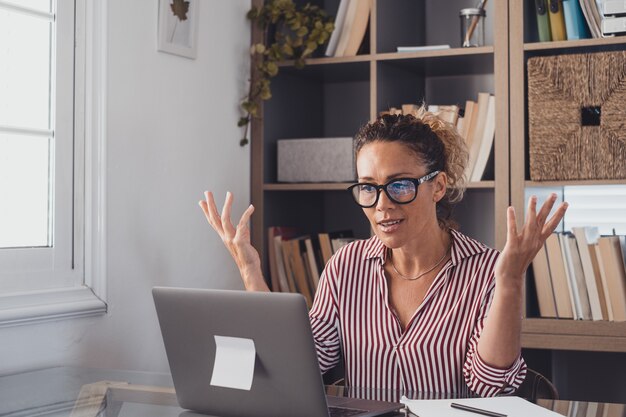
(522, 246)
(236, 239)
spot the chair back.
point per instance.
(536, 386)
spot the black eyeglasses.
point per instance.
(399, 190)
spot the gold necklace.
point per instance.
(423, 273)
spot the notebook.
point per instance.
(236, 353)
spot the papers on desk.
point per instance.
(510, 406)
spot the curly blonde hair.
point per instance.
(435, 143)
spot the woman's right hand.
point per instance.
(237, 240)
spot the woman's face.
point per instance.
(397, 225)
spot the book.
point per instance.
(299, 271)
(346, 27)
(476, 131)
(469, 117)
(593, 30)
(575, 24)
(577, 278)
(410, 109)
(285, 246)
(448, 113)
(543, 21)
(312, 263)
(278, 278)
(460, 125)
(422, 48)
(339, 19)
(543, 284)
(613, 261)
(486, 141)
(557, 21)
(560, 284)
(611, 25)
(325, 247)
(340, 242)
(582, 241)
(612, 7)
(604, 279)
(359, 28)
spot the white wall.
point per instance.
(171, 134)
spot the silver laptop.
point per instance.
(285, 375)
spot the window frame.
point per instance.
(86, 296)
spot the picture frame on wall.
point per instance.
(178, 26)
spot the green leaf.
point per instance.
(243, 142)
(242, 121)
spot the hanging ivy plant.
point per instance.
(289, 33)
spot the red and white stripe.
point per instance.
(437, 352)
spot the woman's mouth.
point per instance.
(389, 226)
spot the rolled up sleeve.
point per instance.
(486, 380)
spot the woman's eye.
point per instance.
(366, 188)
(401, 187)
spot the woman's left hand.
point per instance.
(521, 247)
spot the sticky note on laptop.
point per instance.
(234, 362)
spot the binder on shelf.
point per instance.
(278, 275)
(575, 24)
(339, 19)
(359, 28)
(557, 21)
(594, 28)
(612, 7)
(353, 28)
(611, 248)
(611, 25)
(543, 284)
(583, 236)
(475, 134)
(560, 284)
(543, 21)
(485, 148)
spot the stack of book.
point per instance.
(559, 20)
(476, 123)
(581, 275)
(297, 261)
(350, 27)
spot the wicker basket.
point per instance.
(577, 116)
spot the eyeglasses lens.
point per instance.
(401, 191)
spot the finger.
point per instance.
(554, 221)
(531, 215)
(245, 217)
(511, 230)
(226, 223)
(212, 214)
(546, 208)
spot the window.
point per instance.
(602, 206)
(50, 141)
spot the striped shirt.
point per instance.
(437, 352)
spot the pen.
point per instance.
(476, 410)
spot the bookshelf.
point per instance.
(332, 97)
(542, 333)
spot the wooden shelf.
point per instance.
(580, 43)
(573, 182)
(314, 186)
(341, 186)
(601, 336)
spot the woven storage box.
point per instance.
(577, 116)
(315, 160)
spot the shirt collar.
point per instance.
(462, 247)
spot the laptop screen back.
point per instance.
(286, 380)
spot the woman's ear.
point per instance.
(440, 186)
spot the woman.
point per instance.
(418, 306)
